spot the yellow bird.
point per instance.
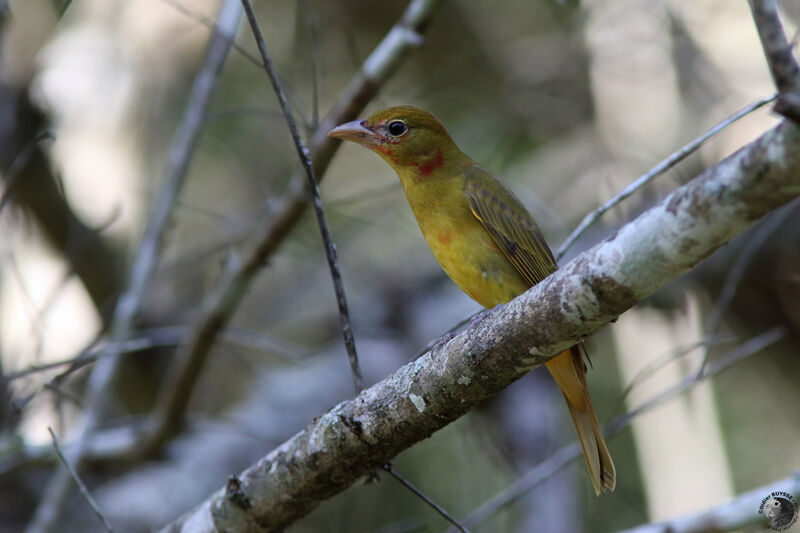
(482, 236)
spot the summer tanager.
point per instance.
(482, 236)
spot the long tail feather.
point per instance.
(569, 372)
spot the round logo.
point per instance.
(781, 510)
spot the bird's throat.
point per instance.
(417, 167)
(427, 164)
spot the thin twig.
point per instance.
(204, 20)
(148, 339)
(432, 504)
(154, 338)
(746, 349)
(656, 171)
(106, 369)
(570, 452)
(756, 240)
(660, 362)
(778, 52)
(106, 446)
(220, 304)
(92, 503)
(308, 166)
(527, 482)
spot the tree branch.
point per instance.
(739, 513)
(81, 485)
(499, 347)
(782, 65)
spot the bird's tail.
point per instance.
(569, 371)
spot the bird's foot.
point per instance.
(441, 341)
(478, 318)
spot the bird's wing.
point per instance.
(515, 232)
(511, 226)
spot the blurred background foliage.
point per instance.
(567, 100)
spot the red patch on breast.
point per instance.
(444, 237)
(430, 165)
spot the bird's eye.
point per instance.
(397, 128)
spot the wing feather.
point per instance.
(511, 226)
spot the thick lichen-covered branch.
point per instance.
(502, 345)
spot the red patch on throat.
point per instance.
(387, 150)
(430, 165)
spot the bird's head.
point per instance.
(408, 138)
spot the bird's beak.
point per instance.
(355, 131)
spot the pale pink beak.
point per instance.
(354, 131)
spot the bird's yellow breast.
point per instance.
(461, 244)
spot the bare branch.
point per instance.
(743, 511)
(782, 65)
(308, 167)
(79, 482)
(103, 373)
(656, 171)
(224, 299)
(499, 347)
